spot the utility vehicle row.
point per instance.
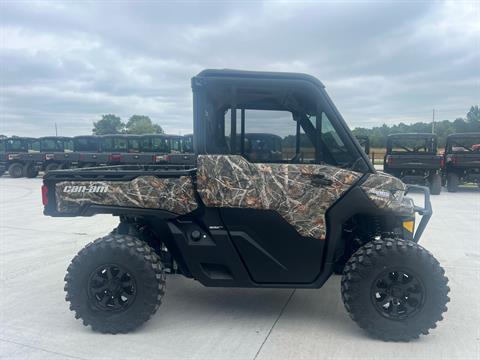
(414, 158)
(25, 157)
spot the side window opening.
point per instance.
(267, 136)
(276, 124)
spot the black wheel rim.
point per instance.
(398, 294)
(111, 288)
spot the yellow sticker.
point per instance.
(409, 225)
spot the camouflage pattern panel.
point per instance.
(232, 181)
(150, 192)
(387, 192)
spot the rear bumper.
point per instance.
(425, 212)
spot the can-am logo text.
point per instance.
(85, 189)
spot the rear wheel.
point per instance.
(435, 184)
(15, 170)
(30, 171)
(115, 284)
(452, 182)
(394, 289)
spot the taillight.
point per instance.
(454, 160)
(442, 162)
(115, 157)
(389, 160)
(44, 195)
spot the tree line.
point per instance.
(141, 124)
(136, 124)
(378, 134)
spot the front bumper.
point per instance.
(425, 212)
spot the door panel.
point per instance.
(300, 193)
(271, 249)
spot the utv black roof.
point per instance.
(243, 74)
(20, 138)
(464, 135)
(112, 135)
(412, 135)
(85, 136)
(54, 138)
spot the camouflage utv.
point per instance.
(233, 220)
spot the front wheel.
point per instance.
(51, 167)
(115, 284)
(15, 170)
(394, 289)
(452, 182)
(435, 184)
(30, 171)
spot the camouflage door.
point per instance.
(300, 193)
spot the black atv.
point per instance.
(462, 160)
(57, 152)
(413, 159)
(18, 158)
(233, 221)
(89, 152)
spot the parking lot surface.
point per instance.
(195, 322)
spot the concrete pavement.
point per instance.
(195, 322)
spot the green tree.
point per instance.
(378, 134)
(473, 114)
(141, 124)
(109, 124)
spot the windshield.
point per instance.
(85, 144)
(51, 145)
(188, 144)
(133, 145)
(114, 144)
(155, 144)
(176, 144)
(463, 145)
(412, 145)
(17, 145)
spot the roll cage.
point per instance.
(414, 143)
(463, 142)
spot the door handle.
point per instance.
(320, 180)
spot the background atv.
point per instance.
(18, 158)
(413, 158)
(462, 160)
(232, 221)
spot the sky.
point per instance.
(381, 61)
